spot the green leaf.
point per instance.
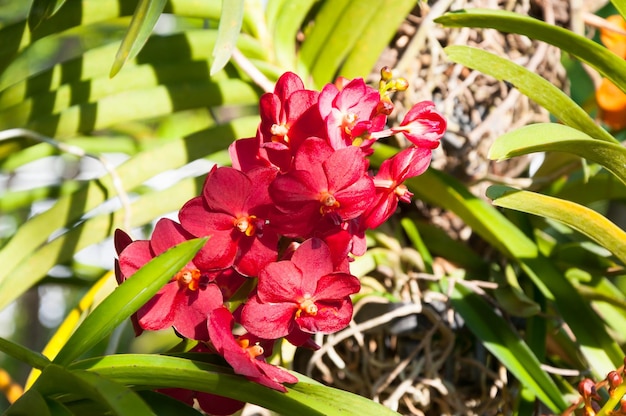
(30, 403)
(498, 337)
(600, 349)
(41, 10)
(67, 386)
(545, 137)
(150, 371)
(141, 25)
(532, 85)
(228, 32)
(284, 20)
(126, 299)
(600, 58)
(576, 216)
(377, 34)
(338, 27)
(620, 6)
(23, 354)
(28, 256)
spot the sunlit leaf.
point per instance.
(376, 35)
(580, 218)
(228, 32)
(545, 137)
(161, 371)
(600, 58)
(141, 25)
(126, 299)
(530, 84)
(60, 383)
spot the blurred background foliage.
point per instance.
(465, 307)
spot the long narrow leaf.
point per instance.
(141, 25)
(58, 382)
(546, 137)
(126, 299)
(583, 219)
(161, 371)
(377, 34)
(600, 58)
(21, 353)
(228, 32)
(532, 85)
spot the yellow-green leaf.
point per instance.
(580, 218)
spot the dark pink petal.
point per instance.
(295, 188)
(408, 163)
(246, 154)
(192, 309)
(268, 320)
(382, 207)
(314, 260)
(356, 198)
(182, 395)
(135, 256)
(287, 84)
(219, 252)
(220, 323)
(195, 217)
(423, 125)
(326, 99)
(256, 253)
(344, 167)
(158, 312)
(258, 196)
(121, 240)
(331, 317)
(166, 235)
(218, 405)
(311, 154)
(273, 376)
(336, 286)
(280, 282)
(225, 190)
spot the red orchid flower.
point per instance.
(325, 184)
(304, 293)
(406, 164)
(243, 354)
(422, 125)
(233, 210)
(288, 116)
(349, 110)
(186, 300)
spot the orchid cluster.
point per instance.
(285, 220)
